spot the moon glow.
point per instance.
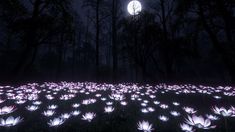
(134, 7)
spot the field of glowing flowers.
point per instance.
(92, 107)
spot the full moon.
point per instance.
(134, 7)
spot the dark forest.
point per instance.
(97, 40)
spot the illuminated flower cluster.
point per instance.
(58, 103)
(199, 122)
(7, 110)
(88, 116)
(10, 121)
(145, 126)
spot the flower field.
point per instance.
(93, 107)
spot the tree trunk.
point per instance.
(97, 37)
(114, 39)
(31, 42)
(227, 20)
(34, 55)
(22, 61)
(166, 46)
(60, 56)
(164, 19)
(227, 58)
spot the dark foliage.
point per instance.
(169, 41)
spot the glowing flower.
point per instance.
(103, 99)
(108, 109)
(186, 128)
(33, 97)
(1, 101)
(52, 107)
(151, 109)
(65, 116)
(199, 122)
(156, 102)
(146, 101)
(37, 102)
(217, 97)
(124, 103)
(32, 108)
(88, 116)
(75, 113)
(49, 97)
(117, 97)
(109, 103)
(7, 109)
(10, 121)
(152, 96)
(65, 97)
(56, 122)
(176, 103)
(233, 110)
(189, 110)
(48, 113)
(175, 113)
(76, 105)
(20, 101)
(164, 106)
(88, 101)
(212, 117)
(145, 126)
(163, 118)
(144, 110)
(143, 104)
(222, 111)
(98, 95)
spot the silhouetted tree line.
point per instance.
(170, 40)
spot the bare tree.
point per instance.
(98, 6)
